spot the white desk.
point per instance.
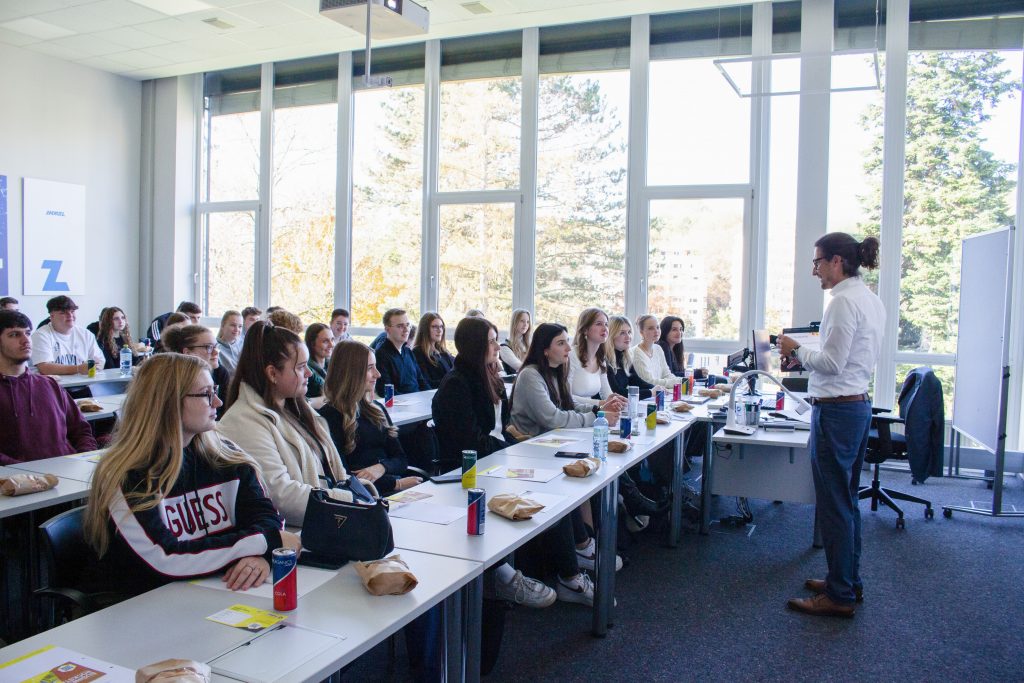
(110, 404)
(102, 377)
(410, 408)
(171, 621)
(68, 490)
(769, 465)
(74, 467)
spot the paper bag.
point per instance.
(174, 671)
(682, 407)
(513, 507)
(390, 576)
(617, 446)
(711, 393)
(20, 484)
(582, 468)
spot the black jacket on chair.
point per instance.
(464, 416)
(922, 409)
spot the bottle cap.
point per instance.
(600, 413)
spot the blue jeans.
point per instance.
(839, 437)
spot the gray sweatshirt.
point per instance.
(533, 411)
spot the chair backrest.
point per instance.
(65, 549)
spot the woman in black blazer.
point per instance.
(430, 351)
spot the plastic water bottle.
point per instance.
(601, 438)
(126, 361)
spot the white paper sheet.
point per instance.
(548, 500)
(522, 473)
(308, 578)
(429, 512)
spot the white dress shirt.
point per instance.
(851, 339)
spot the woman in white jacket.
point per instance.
(269, 418)
(648, 357)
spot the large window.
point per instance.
(387, 191)
(476, 260)
(229, 265)
(581, 194)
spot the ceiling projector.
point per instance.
(390, 18)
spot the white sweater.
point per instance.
(653, 368)
(584, 384)
(288, 464)
(73, 348)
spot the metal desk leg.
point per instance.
(705, 481)
(472, 626)
(676, 514)
(604, 589)
(453, 637)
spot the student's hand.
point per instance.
(246, 573)
(407, 483)
(612, 416)
(786, 345)
(291, 541)
(613, 403)
(82, 368)
(371, 473)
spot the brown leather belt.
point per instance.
(838, 399)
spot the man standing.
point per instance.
(851, 339)
(395, 361)
(38, 419)
(60, 347)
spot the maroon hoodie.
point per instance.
(39, 420)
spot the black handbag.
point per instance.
(336, 531)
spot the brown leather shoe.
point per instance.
(818, 586)
(821, 606)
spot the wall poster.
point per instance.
(4, 290)
(54, 237)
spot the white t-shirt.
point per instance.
(585, 384)
(73, 348)
(496, 432)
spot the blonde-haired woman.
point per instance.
(588, 378)
(172, 500)
(513, 350)
(619, 357)
(648, 357)
(360, 427)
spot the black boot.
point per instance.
(636, 502)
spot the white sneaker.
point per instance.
(582, 592)
(587, 558)
(523, 590)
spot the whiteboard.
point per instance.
(981, 349)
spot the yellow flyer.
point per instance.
(247, 618)
(52, 664)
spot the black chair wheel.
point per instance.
(947, 513)
(929, 513)
(901, 523)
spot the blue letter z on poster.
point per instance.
(52, 284)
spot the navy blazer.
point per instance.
(399, 368)
(922, 409)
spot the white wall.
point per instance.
(69, 123)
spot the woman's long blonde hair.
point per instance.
(615, 325)
(520, 343)
(345, 390)
(148, 439)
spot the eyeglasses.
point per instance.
(208, 395)
(816, 261)
(209, 347)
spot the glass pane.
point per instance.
(302, 229)
(480, 123)
(945, 373)
(476, 261)
(581, 194)
(230, 268)
(960, 179)
(699, 130)
(387, 203)
(785, 126)
(696, 265)
(232, 142)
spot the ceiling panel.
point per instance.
(81, 19)
(132, 38)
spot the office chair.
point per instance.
(921, 413)
(66, 555)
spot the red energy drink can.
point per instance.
(780, 400)
(286, 588)
(389, 395)
(476, 509)
(677, 391)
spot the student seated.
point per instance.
(541, 402)
(229, 339)
(286, 319)
(38, 419)
(319, 343)
(268, 416)
(8, 303)
(648, 356)
(115, 334)
(513, 349)
(475, 313)
(192, 311)
(588, 377)
(250, 315)
(671, 343)
(339, 325)
(360, 427)
(430, 351)
(395, 361)
(60, 347)
(619, 356)
(196, 340)
(172, 500)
